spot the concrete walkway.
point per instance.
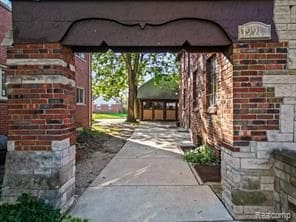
(148, 181)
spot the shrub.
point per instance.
(202, 155)
(30, 209)
(85, 134)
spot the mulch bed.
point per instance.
(208, 173)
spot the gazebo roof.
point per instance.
(151, 90)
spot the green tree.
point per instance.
(119, 74)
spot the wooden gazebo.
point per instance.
(158, 102)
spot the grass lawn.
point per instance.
(109, 116)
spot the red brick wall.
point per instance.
(82, 78)
(3, 117)
(5, 25)
(39, 113)
(246, 109)
(116, 108)
(83, 112)
(106, 108)
(256, 110)
(214, 129)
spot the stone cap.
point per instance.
(286, 156)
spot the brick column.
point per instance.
(258, 111)
(41, 136)
(264, 121)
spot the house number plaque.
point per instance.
(254, 31)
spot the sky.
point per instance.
(7, 2)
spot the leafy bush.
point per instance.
(30, 209)
(85, 134)
(202, 155)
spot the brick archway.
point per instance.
(41, 85)
(99, 34)
(132, 25)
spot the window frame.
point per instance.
(78, 91)
(78, 54)
(148, 104)
(212, 81)
(195, 93)
(158, 105)
(169, 104)
(2, 73)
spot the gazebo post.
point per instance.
(164, 110)
(141, 110)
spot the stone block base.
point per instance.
(49, 175)
(247, 183)
(285, 182)
(252, 204)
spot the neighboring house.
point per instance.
(83, 79)
(158, 102)
(108, 108)
(102, 106)
(5, 26)
(83, 114)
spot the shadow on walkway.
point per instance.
(148, 181)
